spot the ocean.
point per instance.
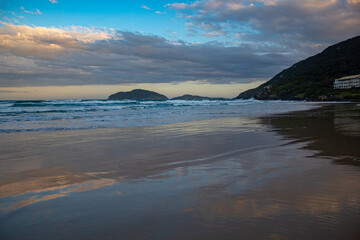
(51, 115)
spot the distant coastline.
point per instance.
(141, 94)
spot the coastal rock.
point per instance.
(266, 94)
(195, 97)
(137, 94)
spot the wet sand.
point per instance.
(289, 176)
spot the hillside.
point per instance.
(312, 78)
(137, 94)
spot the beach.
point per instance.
(291, 175)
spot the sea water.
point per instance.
(50, 115)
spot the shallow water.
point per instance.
(293, 176)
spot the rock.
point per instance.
(137, 94)
(195, 97)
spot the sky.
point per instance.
(62, 49)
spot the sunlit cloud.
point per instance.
(353, 2)
(229, 41)
(145, 7)
(283, 22)
(45, 42)
(33, 56)
(53, 1)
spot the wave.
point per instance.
(51, 115)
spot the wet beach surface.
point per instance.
(288, 176)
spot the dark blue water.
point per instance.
(49, 115)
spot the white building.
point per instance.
(347, 82)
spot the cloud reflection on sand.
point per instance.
(49, 184)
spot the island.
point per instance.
(137, 94)
(195, 97)
(314, 78)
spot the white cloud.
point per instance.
(53, 1)
(36, 12)
(178, 5)
(145, 7)
(78, 56)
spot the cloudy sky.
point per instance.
(90, 49)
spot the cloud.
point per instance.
(283, 22)
(145, 7)
(179, 5)
(53, 1)
(45, 42)
(353, 2)
(36, 12)
(9, 91)
(35, 56)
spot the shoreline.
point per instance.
(264, 174)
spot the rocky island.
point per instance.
(195, 97)
(137, 94)
(313, 78)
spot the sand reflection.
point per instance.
(51, 183)
(332, 131)
(90, 159)
(277, 196)
(268, 178)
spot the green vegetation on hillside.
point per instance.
(313, 78)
